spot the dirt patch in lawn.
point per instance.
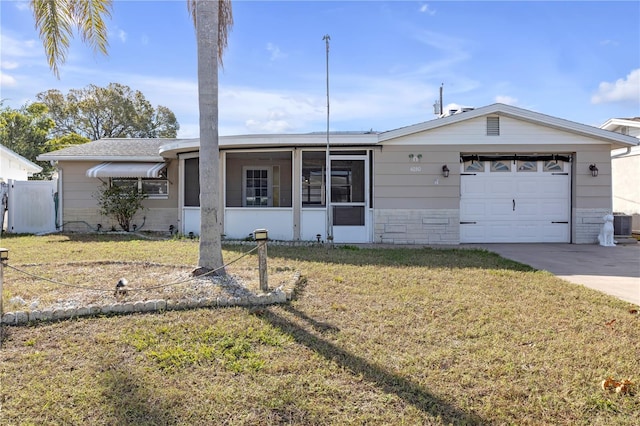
(77, 284)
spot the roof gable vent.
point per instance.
(493, 126)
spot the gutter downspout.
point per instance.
(622, 154)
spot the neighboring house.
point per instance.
(625, 165)
(15, 166)
(492, 174)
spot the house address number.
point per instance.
(415, 169)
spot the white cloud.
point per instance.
(270, 126)
(622, 90)
(122, 35)
(22, 5)
(275, 51)
(15, 48)
(8, 65)
(426, 9)
(508, 100)
(609, 43)
(7, 80)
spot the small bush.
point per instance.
(120, 202)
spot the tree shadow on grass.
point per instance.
(130, 401)
(430, 257)
(389, 382)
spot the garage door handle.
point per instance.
(514, 205)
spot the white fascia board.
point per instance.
(45, 157)
(274, 140)
(28, 165)
(270, 141)
(614, 123)
(171, 150)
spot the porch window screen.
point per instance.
(192, 182)
(313, 179)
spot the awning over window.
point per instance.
(126, 170)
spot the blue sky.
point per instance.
(574, 60)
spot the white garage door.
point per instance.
(515, 200)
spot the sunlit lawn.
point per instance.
(373, 336)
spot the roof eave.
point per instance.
(518, 113)
(271, 141)
(143, 159)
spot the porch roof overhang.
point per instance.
(126, 170)
(281, 141)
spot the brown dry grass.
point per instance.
(374, 336)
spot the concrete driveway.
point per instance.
(612, 270)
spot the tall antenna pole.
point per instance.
(326, 38)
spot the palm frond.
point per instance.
(225, 23)
(89, 17)
(54, 24)
(56, 19)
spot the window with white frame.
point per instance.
(257, 187)
(154, 188)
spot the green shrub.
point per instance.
(120, 202)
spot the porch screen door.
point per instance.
(349, 198)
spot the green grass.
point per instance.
(373, 336)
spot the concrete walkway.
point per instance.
(612, 270)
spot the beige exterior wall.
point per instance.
(419, 187)
(80, 210)
(626, 185)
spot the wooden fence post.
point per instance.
(261, 236)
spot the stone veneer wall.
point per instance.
(587, 224)
(417, 226)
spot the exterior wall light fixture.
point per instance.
(445, 171)
(594, 170)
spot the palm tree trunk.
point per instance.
(207, 16)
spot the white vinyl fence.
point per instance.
(31, 207)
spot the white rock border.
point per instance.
(276, 296)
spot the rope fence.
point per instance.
(281, 294)
(132, 289)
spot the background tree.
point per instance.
(26, 132)
(55, 20)
(115, 111)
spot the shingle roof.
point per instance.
(145, 149)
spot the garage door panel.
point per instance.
(530, 187)
(501, 208)
(515, 207)
(505, 232)
(473, 187)
(554, 210)
(500, 187)
(527, 208)
(473, 208)
(556, 187)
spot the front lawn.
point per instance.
(373, 336)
